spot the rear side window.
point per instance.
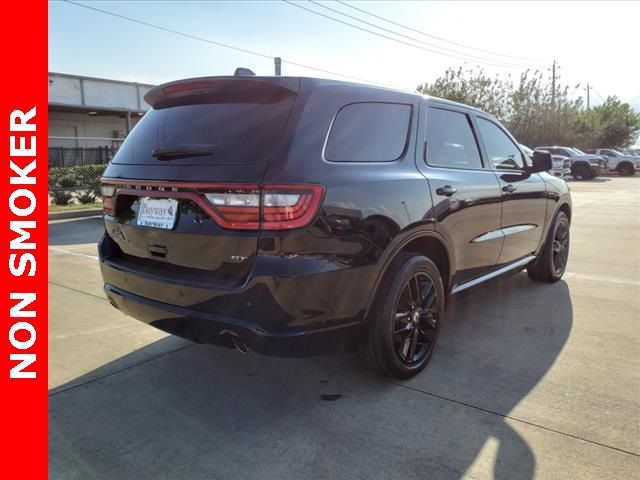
(450, 140)
(368, 132)
(502, 152)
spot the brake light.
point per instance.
(108, 200)
(273, 207)
(189, 85)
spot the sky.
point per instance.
(594, 42)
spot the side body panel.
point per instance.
(469, 219)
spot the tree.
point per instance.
(473, 88)
(535, 114)
(616, 124)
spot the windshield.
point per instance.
(526, 150)
(577, 150)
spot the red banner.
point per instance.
(23, 343)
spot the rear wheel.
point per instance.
(581, 172)
(626, 170)
(552, 262)
(406, 318)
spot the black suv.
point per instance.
(297, 216)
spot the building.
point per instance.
(90, 117)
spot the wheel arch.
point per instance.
(431, 245)
(566, 208)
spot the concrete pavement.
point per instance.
(529, 380)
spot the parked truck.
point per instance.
(583, 166)
(625, 165)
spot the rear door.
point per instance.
(523, 194)
(186, 179)
(466, 195)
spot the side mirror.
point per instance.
(542, 162)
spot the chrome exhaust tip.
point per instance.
(239, 344)
(235, 341)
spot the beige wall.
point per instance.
(63, 124)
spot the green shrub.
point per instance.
(80, 177)
(86, 197)
(61, 197)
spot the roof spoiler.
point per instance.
(242, 88)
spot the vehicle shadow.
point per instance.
(207, 412)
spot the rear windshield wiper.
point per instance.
(175, 153)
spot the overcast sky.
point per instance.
(595, 42)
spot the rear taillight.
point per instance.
(272, 207)
(235, 207)
(108, 198)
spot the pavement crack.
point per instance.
(516, 419)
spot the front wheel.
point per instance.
(582, 172)
(406, 318)
(626, 170)
(552, 262)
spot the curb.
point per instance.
(75, 214)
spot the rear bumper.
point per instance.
(217, 329)
(287, 307)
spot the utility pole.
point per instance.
(553, 84)
(588, 88)
(278, 64)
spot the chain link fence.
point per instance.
(75, 167)
(74, 151)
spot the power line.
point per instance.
(465, 58)
(436, 37)
(414, 39)
(232, 47)
(599, 96)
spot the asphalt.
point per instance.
(529, 380)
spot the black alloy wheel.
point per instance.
(626, 170)
(406, 318)
(416, 319)
(560, 248)
(581, 172)
(552, 261)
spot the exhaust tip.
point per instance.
(240, 345)
(231, 337)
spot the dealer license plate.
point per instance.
(158, 212)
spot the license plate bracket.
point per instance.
(157, 212)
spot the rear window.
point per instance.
(230, 133)
(368, 132)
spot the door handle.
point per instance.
(447, 190)
(509, 188)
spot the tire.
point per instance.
(552, 262)
(582, 172)
(399, 340)
(626, 170)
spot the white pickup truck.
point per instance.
(625, 165)
(584, 166)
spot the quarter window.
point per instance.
(450, 140)
(502, 152)
(368, 132)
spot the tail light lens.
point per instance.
(273, 207)
(108, 198)
(235, 207)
